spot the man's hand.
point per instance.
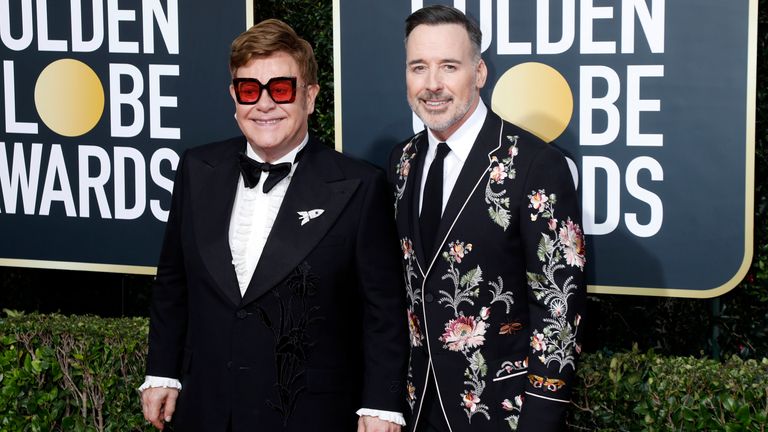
(375, 424)
(158, 405)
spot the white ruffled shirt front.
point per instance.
(253, 215)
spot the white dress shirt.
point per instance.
(253, 215)
(460, 143)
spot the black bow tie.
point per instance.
(251, 171)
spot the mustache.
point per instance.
(427, 94)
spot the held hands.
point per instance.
(375, 424)
(158, 405)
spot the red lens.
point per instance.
(249, 91)
(282, 90)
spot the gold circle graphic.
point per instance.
(69, 97)
(535, 97)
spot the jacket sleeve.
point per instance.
(554, 250)
(385, 331)
(168, 308)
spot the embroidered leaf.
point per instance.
(535, 278)
(546, 248)
(477, 363)
(500, 217)
(498, 294)
(472, 278)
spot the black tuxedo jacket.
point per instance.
(494, 311)
(320, 331)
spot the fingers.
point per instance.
(375, 424)
(158, 405)
(170, 406)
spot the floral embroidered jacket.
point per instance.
(497, 307)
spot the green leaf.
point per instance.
(472, 278)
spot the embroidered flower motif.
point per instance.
(519, 401)
(572, 239)
(457, 250)
(498, 173)
(402, 169)
(407, 247)
(290, 329)
(411, 391)
(513, 150)
(552, 224)
(415, 329)
(542, 203)
(539, 200)
(470, 401)
(558, 307)
(405, 168)
(508, 405)
(538, 342)
(404, 165)
(509, 368)
(485, 313)
(463, 333)
(558, 248)
(514, 408)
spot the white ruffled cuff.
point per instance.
(390, 416)
(154, 381)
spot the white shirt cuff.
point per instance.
(153, 381)
(390, 416)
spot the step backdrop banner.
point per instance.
(99, 99)
(651, 100)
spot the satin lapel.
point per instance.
(318, 183)
(475, 169)
(213, 201)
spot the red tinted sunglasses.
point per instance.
(282, 90)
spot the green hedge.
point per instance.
(62, 373)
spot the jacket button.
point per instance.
(229, 364)
(428, 298)
(242, 313)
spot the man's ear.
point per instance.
(312, 91)
(482, 74)
(232, 93)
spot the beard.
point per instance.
(433, 122)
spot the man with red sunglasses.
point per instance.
(278, 303)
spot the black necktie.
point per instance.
(251, 171)
(432, 201)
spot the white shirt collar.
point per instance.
(461, 141)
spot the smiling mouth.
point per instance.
(267, 122)
(436, 105)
